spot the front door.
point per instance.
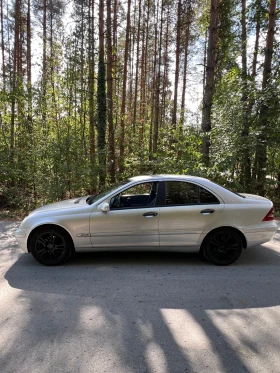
(132, 221)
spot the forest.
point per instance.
(96, 91)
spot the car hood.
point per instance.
(62, 205)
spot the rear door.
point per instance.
(186, 212)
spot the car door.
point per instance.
(132, 220)
(187, 211)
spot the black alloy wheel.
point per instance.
(51, 245)
(223, 247)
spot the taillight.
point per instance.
(270, 215)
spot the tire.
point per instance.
(222, 247)
(51, 245)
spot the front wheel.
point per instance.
(222, 247)
(51, 245)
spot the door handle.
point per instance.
(150, 214)
(207, 211)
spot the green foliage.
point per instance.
(50, 151)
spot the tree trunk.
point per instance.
(91, 97)
(261, 150)
(158, 85)
(137, 68)
(154, 80)
(15, 77)
(116, 83)
(122, 124)
(3, 46)
(29, 82)
(111, 150)
(166, 69)
(44, 80)
(209, 79)
(254, 72)
(245, 177)
(256, 49)
(186, 54)
(101, 100)
(178, 42)
(143, 113)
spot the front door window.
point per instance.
(138, 196)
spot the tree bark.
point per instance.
(186, 55)
(101, 100)
(111, 150)
(91, 50)
(158, 86)
(143, 113)
(15, 77)
(29, 81)
(178, 47)
(209, 79)
(154, 80)
(166, 68)
(137, 67)
(245, 177)
(3, 46)
(261, 150)
(257, 41)
(122, 124)
(44, 80)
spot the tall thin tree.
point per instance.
(101, 100)
(123, 105)
(209, 78)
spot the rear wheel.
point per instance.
(51, 245)
(222, 247)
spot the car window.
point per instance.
(91, 199)
(137, 196)
(183, 193)
(207, 197)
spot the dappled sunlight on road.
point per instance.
(192, 340)
(9, 246)
(245, 332)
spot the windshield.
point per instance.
(96, 197)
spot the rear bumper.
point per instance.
(257, 235)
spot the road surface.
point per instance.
(139, 312)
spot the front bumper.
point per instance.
(21, 237)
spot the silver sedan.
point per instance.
(162, 212)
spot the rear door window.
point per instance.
(184, 193)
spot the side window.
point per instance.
(181, 193)
(138, 196)
(206, 197)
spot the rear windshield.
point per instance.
(237, 194)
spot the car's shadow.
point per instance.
(154, 274)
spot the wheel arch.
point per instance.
(48, 225)
(241, 234)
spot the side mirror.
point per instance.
(104, 207)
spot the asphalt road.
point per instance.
(139, 312)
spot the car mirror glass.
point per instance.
(104, 207)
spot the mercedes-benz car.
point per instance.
(161, 212)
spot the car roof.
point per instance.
(164, 177)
